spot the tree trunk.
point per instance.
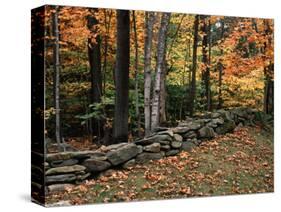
(209, 94)
(162, 110)
(205, 71)
(268, 75)
(194, 66)
(155, 110)
(186, 59)
(149, 22)
(56, 62)
(268, 91)
(107, 26)
(136, 74)
(94, 54)
(120, 133)
(220, 69)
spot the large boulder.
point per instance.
(65, 169)
(206, 133)
(162, 139)
(147, 156)
(94, 165)
(122, 154)
(155, 147)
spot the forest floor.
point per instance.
(236, 163)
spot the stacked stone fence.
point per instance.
(69, 168)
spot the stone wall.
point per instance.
(68, 168)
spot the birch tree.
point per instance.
(161, 49)
(149, 22)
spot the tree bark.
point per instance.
(194, 66)
(107, 26)
(206, 56)
(268, 75)
(220, 69)
(149, 22)
(120, 132)
(94, 54)
(155, 110)
(209, 93)
(220, 101)
(56, 62)
(205, 71)
(136, 75)
(162, 110)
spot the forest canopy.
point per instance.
(116, 75)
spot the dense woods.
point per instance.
(142, 105)
(114, 75)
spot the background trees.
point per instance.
(113, 85)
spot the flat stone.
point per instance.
(194, 125)
(59, 187)
(215, 115)
(178, 137)
(129, 164)
(154, 139)
(167, 132)
(62, 178)
(190, 134)
(71, 155)
(188, 146)
(114, 146)
(206, 132)
(147, 156)
(65, 169)
(218, 121)
(211, 124)
(122, 154)
(176, 144)
(94, 165)
(159, 129)
(165, 147)
(172, 152)
(59, 163)
(80, 178)
(181, 130)
(155, 147)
